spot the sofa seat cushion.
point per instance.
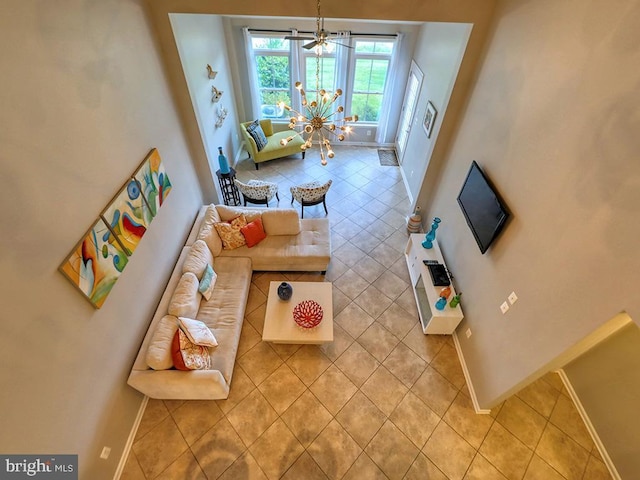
(309, 249)
(224, 313)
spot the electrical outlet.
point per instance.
(504, 307)
(468, 332)
(106, 451)
(368, 133)
(513, 298)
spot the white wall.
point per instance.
(439, 51)
(83, 100)
(553, 120)
(200, 40)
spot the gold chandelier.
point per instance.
(318, 118)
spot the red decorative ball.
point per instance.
(307, 314)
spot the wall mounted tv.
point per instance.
(482, 207)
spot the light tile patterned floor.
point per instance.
(383, 401)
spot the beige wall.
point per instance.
(200, 41)
(439, 52)
(84, 98)
(553, 120)
(604, 378)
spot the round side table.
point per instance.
(228, 187)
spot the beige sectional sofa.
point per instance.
(292, 244)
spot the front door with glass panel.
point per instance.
(408, 109)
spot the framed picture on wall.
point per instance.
(429, 118)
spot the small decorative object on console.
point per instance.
(441, 303)
(445, 292)
(414, 222)
(285, 290)
(308, 314)
(455, 300)
(431, 235)
(224, 164)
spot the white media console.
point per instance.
(433, 321)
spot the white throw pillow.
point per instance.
(198, 258)
(198, 332)
(159, 351)
(185, 301)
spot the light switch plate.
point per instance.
(513, 298)
(504, 307)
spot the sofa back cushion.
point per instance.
(228, 213)
(159, 351)
(281, 221)
(198, 258)
(186, 297)
(208, 232)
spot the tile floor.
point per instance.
(383, 401)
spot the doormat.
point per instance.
(388, 158)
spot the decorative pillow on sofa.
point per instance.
(207, 231)
(207, 282)
(198, 258)
(186, 355)
(256, 132)
(186, 297)
(253, 232)
(230, 233)
(198, 332)
(159, 351)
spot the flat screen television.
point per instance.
(482, 207)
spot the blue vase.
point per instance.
(285, 291)
(224, 164)
(431, 235)
(441, 303)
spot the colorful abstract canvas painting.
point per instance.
(127, 216)
(95, 264)
(154, 181)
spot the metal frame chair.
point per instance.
(257, 191)
(312, 193)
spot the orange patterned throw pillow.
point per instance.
(188, 356)
(230, 232)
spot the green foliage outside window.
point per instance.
(327, 74)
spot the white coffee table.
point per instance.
(279, 325)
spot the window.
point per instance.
(371, 60)
(327, 77)
(274, 77)
(280, 64)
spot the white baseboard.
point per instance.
(467, 377)
(132, 436)
(592, 431)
